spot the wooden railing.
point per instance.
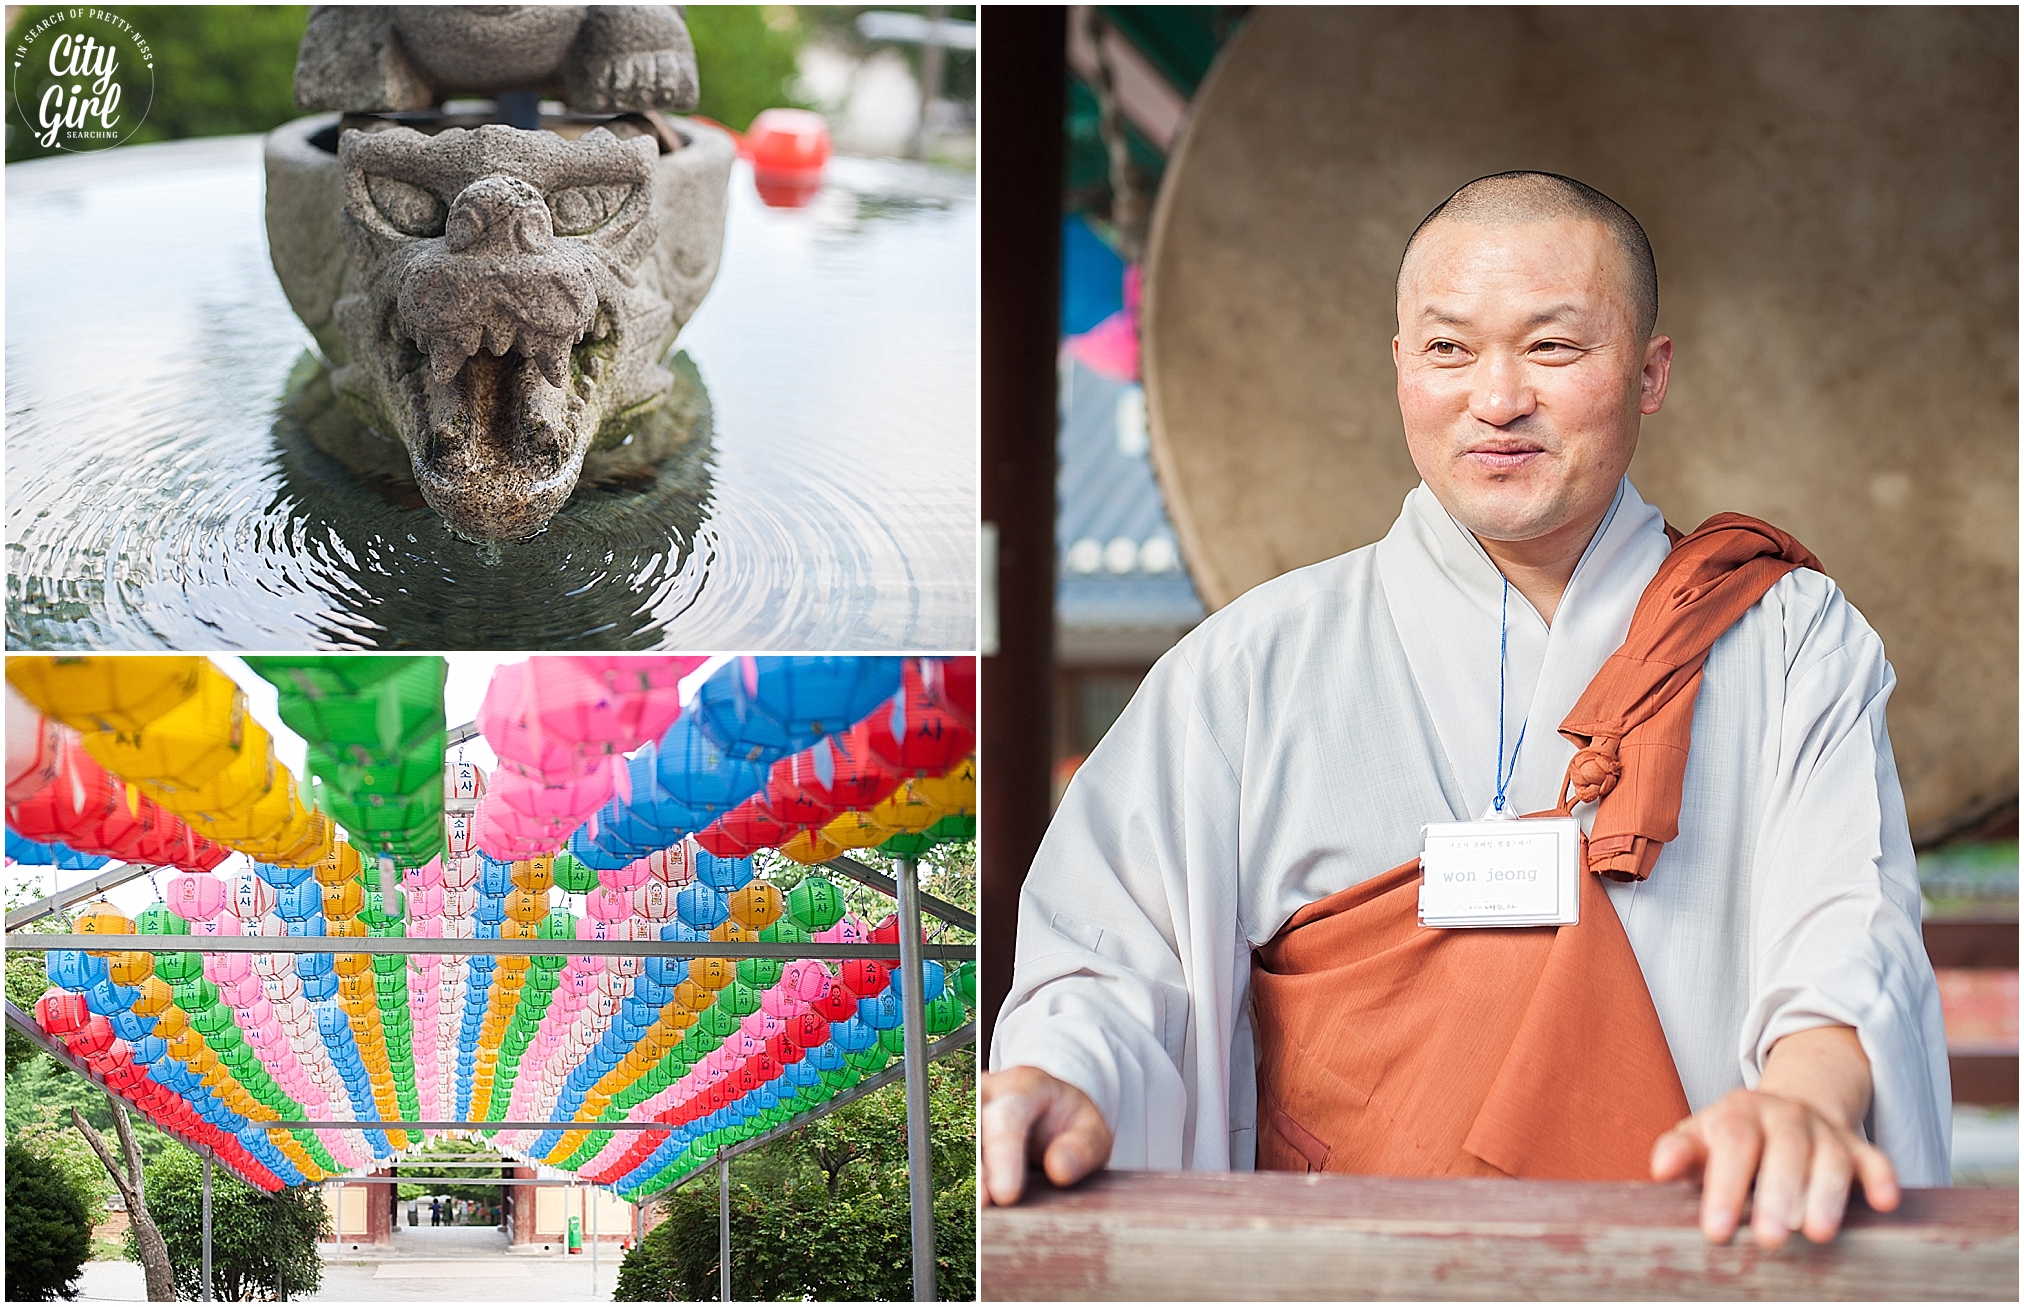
(1203, 1235)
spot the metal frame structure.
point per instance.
(909, 953)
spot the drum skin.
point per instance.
(1832, 196)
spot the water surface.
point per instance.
(161, 491)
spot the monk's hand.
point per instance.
(1794, 1135)
(1027, 1113)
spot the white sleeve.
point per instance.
(1131, 964)
(1835, 922)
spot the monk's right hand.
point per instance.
(1030, 1114)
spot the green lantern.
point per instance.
(943, 1014)
(179, 970)
(966, 983)
(739, 999)
(784, 931)
(761, 973)
(815, 904)
(572, 876)
(717, 1022)
(156, 919)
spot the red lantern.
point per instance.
(839, 1004)
(61, 1012)
(952, 684)
(865, 977)
(808, 1029)
(93, 1037)
(913, 733)
(784, 1050)
(794, 807)
(743, 829)
(840, 772)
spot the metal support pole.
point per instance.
(914, 1027)
(207, 1226)
(724, 1230)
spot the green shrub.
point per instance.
(48, 1229)
(261, 1244)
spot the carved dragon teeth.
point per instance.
(448, 351)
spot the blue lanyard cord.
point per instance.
(1504, 777)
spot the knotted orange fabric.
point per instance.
(1388, 1048)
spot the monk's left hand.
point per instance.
(1794, 1136)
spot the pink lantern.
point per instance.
(849, 929)
(627, 877)
(224, 924)
(762, 1025)
(607, 904)
(806, 979)
(780, 1003)
(510, 728)
(426, 928)
(609, 704)
(426, 901)
(227, 968)
(570, 800)
(195, 896)
(241, 991)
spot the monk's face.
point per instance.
(1522, 374)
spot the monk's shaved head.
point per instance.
(1506, 198)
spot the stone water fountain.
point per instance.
(496, 286)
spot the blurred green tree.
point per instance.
(48, 1229)
(219, 69)
(745, 58)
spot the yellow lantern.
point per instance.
(712, 973)
(102, 918)
(170, 1021)
(857, 830)
(535, 874)
(811, 847)
(247, 777)
(527, 905)
(155, 998)
(260, 820)
(757, 905)
(131, 967)
(343, 901)
(351, 964)
(954, 791)
(906, 811)
(185, 746)
(341, 864)
(105, 694)
(732, 931)
(689, 997)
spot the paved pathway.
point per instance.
(425, 1264)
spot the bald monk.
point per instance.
(1295, 743)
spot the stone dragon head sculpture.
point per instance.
(495, 298)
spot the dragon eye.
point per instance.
(581, 210)
(411, 210)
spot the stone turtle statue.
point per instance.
(497, 299)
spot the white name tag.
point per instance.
(1501, 873)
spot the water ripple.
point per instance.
(162, 491)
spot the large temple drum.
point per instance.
(1832, 195)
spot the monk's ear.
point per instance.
(1657, 371)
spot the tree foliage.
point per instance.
(823, 1212)
(48, 1229)
(26, 981)
(261, 1244)
(745, 58)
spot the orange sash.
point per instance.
(1386, 1048)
